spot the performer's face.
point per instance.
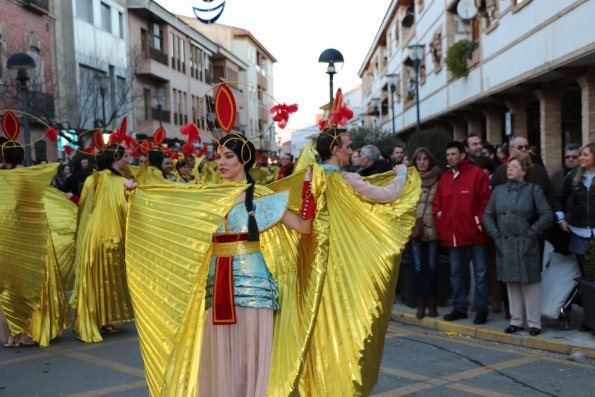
(344, 152)
(229, 165)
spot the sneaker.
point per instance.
(455, 315)
(481, 317)
(534, 331)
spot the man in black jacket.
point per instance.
(371, 162)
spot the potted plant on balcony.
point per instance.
(588, 287)
(457, 56)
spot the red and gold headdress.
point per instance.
(225, 109)
(338, 117)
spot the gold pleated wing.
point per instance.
(101, 293)
(169, 232)
(132, 171)
(365, 243)
(298, 264)
(31, 294)
(308, 156)
(150, 176)
(210, 174)
(62, 218)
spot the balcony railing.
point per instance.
(41, 6)
(157, 55)
(161, 115)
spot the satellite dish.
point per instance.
(466, 9)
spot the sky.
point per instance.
(295, 33)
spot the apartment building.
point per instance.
(526, 69)
(93, 70)
(28, 27)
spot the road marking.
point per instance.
(506, 348)
(24, 358)
(115, 342)
(401, 391)
(108, 363)
(472, 373)
(476, 390)
(109, 390)
(403, 374)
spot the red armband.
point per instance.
(308, 202)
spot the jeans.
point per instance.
(425, 261)
(459, 260)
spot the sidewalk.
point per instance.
(552, 338)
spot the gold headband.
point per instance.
(237, 137)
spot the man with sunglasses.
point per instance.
(537, 174)
(557, 237)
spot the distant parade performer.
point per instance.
(100, 297)
(33, 306)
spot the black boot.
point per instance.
(421, 308)
(433, 311)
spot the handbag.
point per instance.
(417, 232)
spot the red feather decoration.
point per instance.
(281, 113)
(51, 134)
(90, 150)
(192, 132)
(68, 150)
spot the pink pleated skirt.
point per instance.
(235, 359)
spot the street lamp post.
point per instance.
(393, 78)
(416, 52)
(333, 58)
(21, 66)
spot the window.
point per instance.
(121, 24)
(106, 17)
(2, 52)
(37, 80)
(147, 103)
(84, 10)
(156, 37)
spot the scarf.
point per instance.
(430, 177)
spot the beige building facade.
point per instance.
(529, 68)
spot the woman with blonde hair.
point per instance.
(581, 221)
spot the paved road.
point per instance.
(416, 362)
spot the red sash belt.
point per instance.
(224, 308)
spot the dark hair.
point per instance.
(327, 140)
(485, 163)
(427, 152)
(180, 164)
(290, 156)
(572, 146)
(109, 155)
(456, 144)
(246, 153)
(489, 147)
(466, 140)
(399, 145)
(13, 153)
(156, 157)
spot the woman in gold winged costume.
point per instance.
(100, 295)
(33, 306)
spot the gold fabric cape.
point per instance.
(62, 218)
(31, 293)
(149, 175)
(100, 293)
(365, 242)
(167, 272)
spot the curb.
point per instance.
(531, 342)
